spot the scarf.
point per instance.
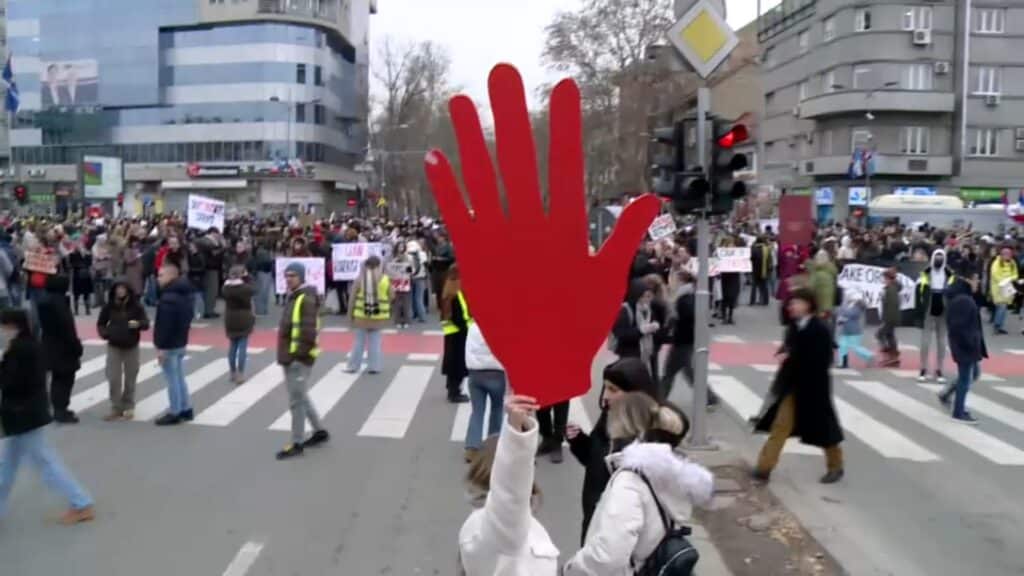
(370, 281)
(643, 318)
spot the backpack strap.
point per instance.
(665, 520)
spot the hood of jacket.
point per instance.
(478, 352)
(113, 290)
(678, 482)
(936, 254)
(309, 291)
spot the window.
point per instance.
(990, 20)
(988, 80)
(830, 29)
(829, 83)
(860, 76)
(318, 76)
(860, 139)
(805, 89)
(769, 57)
(826, 143)
(300, 73)
(769, 100)
(986, 142)
(918, 77)
(300, 112)
(804, 40)
(918, 18)
(318, 114)
(863, 22)
(915, 140)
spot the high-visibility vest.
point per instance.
(449, 327)
(297, 328)
(926, 281)
(383, 311)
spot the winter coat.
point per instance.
(924, 291)
(478, 353)
(81, 273)
(627, 332)
(238, 315)
(891, 307)
(805, 373)
(999, 272)
(730, 287)
(113, 322)
(963, 323)
(174, 312)
(823, 284)
(60, 340)
(762, 263)
(683, 332)
(308, 317)
(24, 402)
(502, 538)
(591, 450)
(627, 524)
(453, 364)
(850, 318)
(133, 269)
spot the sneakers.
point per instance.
(66, 417)
(556, 455)
(940, 378)
(760, 477)
(168, 420)
(923, 377)
(78, 515)
(1001, 332)
(943, 399)
(966, 418)
(186, 416)
(318, 437)
(113, 417)
(290, 451)
(845, 363)
(547, 446)
(459, 398)
(832, 476)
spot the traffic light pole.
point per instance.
(702, 333)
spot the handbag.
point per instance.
(674, 555)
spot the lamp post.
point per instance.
(291, 106)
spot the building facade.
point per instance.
(257, 102)
(870, 97)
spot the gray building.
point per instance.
(256, 102)
(932, 91)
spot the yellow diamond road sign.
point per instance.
(703, 38)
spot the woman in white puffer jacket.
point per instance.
(486, 382)
(627, 525)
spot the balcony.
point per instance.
(853, 101)
(885, 165)
(326, 10)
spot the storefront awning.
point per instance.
(202, 184)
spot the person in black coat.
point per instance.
(801, 396)
(620, 377)
(174, 312)
(640, 326)
(81, 276)
(121, 322)
(680, 355)
(62, 346)
(24, 414)
(966, 343)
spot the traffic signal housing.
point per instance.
(670, 178)
(725, 190)
(21, 194)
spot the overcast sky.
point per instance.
(501, 31)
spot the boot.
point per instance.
(78, 515)
(845, 362)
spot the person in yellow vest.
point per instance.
(370, 311)
(1002, 274)
(296, 352)
(455, 322)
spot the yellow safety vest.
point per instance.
(297, 328)
(926, 281)
(449, 327)
(383, 303)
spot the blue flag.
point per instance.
(8, 72)
(12, 101)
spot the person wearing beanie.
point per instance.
(296, 352)
(239, 319)
(61, 343)
(590, 450)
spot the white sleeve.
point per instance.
(607, 552)
(507, 514)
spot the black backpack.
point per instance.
(674, 555)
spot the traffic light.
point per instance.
(724, 162)
(670, 177)
(21, 193)
(120, 200)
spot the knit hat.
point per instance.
(298, 269)
(631, 375)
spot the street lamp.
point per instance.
(291, 106)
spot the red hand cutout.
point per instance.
(543, 303)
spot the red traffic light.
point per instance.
(736, 135)
(120, 199)
(20, 193)
(351, 202)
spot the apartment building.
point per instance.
(932, 92)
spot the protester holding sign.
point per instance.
(400, 272)
(370, 309)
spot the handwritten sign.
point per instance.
(40, 261)
(401, 275)
(315, 270)
(869, 282)
(734, 259)
(205, 213)
(663, 227)
(347, 259)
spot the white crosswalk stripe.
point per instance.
(1014, 351)
(714, 367)
(988, 447)
(727, 339)
(421, 357)
(885, 440)
(149, 345)
(325, 395)
(394, 412)
(91, 366)
(1014, 391)
(1012, 418)
(235, 403)
(845, 372)
(158, 402)
(746, 404)
(765, 368)
(460, 426)
(100, 393)
(338, 329)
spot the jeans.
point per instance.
(174, 373)
(5, 302)
(965, 375)
(849, 342)
(264, 283)
(1000, 317)
(484, 385)
(101, 286)
(296, 375)
(936, 324)
(198, 296)
(403, 308)
(238, 352)
(419, 288)
(48, 463)
(150, 291)
(371, 341)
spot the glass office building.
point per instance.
(251, 101)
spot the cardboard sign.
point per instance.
(664, 226)
(205, 213)
(347, 259)
(401, 278)
(734, 259)
(39, 261)
(548, 357)
(315, 270)
(869, 281)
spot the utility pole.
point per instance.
(702, 332)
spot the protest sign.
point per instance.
(663, 227)
(205, 213)
(869, 282)
(734, 259)
(347, 259)
(400, 274)
(314, 273)
(40, 261)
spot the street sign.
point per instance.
(703, 37)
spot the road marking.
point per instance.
(1014, 391)
(158, 402)
(235, 403)
(101, 392)
(1014, 351)
(909, 347)
(990, 378)
(746, 403)
(433, 333)
(389, 331)
(91, 367)
(766, 368)
(987, 446)
(884, 439)
(996, 411)
(256, 350)
(419, 357)
(904, 373)
(325, 395)
(244, 560)
(394, 411)
(146, 345)
(460, 426)
(776, 343)
(94, 342)
(727, 339)
(845, 372)
(335, 329)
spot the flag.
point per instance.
(8, 73)
(857, 164)
(869, 162)
(12, 101)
